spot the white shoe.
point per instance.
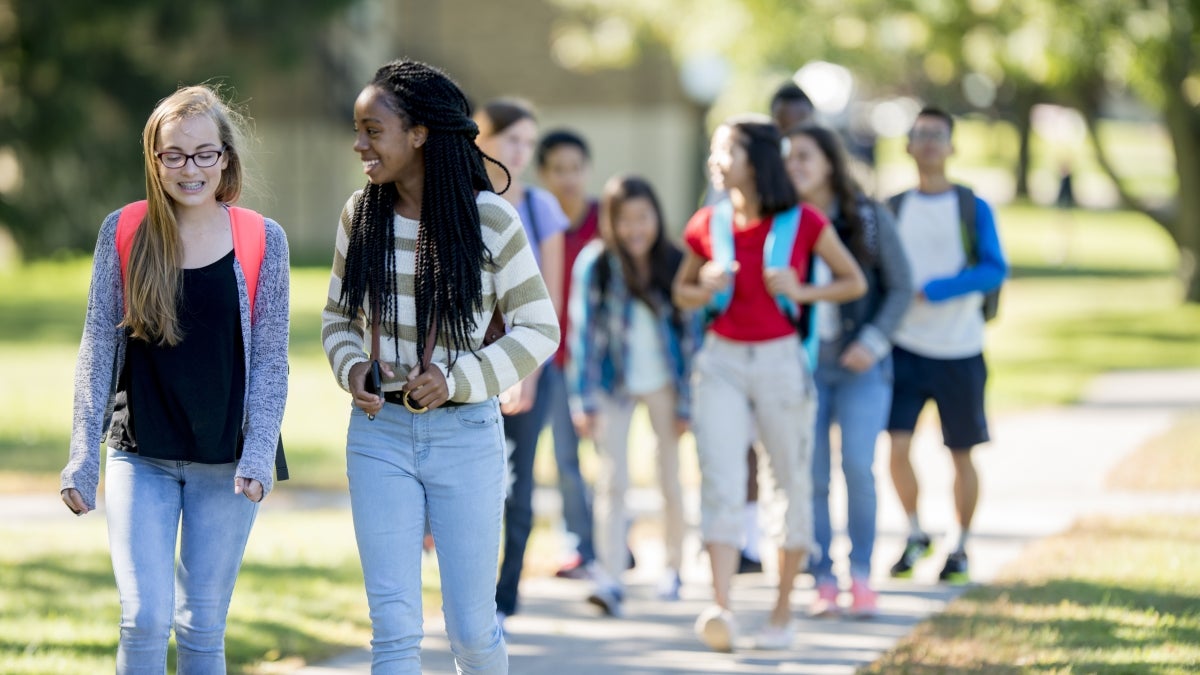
(775, 637)
(716, 628)
(608, 599)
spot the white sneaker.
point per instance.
(775, 637)
(716, 628)
(608, 599)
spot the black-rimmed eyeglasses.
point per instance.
(202, 159)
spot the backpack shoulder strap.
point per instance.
(720, 230)
(128, 222)
(777, 251)
(249, 245)
(966, 222)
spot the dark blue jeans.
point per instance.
(521, 435)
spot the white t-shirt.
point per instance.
(647, 370)
(932, 237)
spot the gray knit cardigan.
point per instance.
(102, 356)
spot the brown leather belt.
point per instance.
(397, 397)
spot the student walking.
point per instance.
(508, 131)
(950, 238)
(564, 164)
(424, 254)
(185, 343)
(854, 364)
(631, 345)
(751, 372)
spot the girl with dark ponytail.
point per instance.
(424, 254)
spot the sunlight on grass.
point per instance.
(299, 596)
(1170, 461)
(1109, 596)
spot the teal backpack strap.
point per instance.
(777, 252)
(720, 230)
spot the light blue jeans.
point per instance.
(447, 464)
(859, 404)
(145, 502)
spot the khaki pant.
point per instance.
(612, 445)
(746, 390)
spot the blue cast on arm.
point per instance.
(987, 273)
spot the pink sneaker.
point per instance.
(826, 603)
(863, 600)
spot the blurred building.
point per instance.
(635, 113)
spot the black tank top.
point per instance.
(185, 402)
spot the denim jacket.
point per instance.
(600, 315)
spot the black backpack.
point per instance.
(970, 238)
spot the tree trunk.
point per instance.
(1023, 102)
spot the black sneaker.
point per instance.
(955, 571)
(749, 565)
(915, 549)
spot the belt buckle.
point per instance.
(411, 408)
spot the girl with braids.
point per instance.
(630, 345)
(508, 131)
(187, 350)
(854, 366)
(425, 252)
(752, 372)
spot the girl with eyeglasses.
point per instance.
(183, 366)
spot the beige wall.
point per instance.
(635, 119)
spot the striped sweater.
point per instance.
(515, 285)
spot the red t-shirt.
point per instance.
(574, 239)
(753, 315)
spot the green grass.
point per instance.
(299, 597)
(1167, 462)
(1111, 596)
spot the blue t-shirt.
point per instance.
(542, 217)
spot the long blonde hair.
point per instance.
(153, 277)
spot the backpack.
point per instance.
(249, 246)
(970, 238)
(777, 252)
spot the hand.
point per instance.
(714, 278)
(250, 488)
(427, 389)
(585, 424)
(520, 397)
(783, 281)
(368, 402)
(74, 501)
(857, 358)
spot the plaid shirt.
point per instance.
(600, 317)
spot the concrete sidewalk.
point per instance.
(1043, 470)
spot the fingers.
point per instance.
(249, 488)
(74, 501)
(427, 389)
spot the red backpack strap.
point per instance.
(131, 217)
(249, 245)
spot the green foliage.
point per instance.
(79, 78)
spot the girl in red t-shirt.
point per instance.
(751, 378)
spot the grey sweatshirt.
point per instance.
(102, 357)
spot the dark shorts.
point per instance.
(955, 385)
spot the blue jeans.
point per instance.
(521, 436)
(447, 465)
(145, 501)
(577, 506)
(859, 404)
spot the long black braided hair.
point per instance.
(450, 252)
